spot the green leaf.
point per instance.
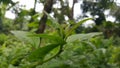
(57, 39)
(23, 36)
(40, 53)
(76, 25)
(80, 37)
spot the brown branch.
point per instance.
(72, 10)
(42, 23)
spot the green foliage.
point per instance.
(23, 36)
(81, 37)
(82, 55)
(39, 54)
(60, 40)
(12, 52)
(70, 49)
(82, 50)
(3, 38)
(60, 46)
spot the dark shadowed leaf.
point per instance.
(40, 53)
